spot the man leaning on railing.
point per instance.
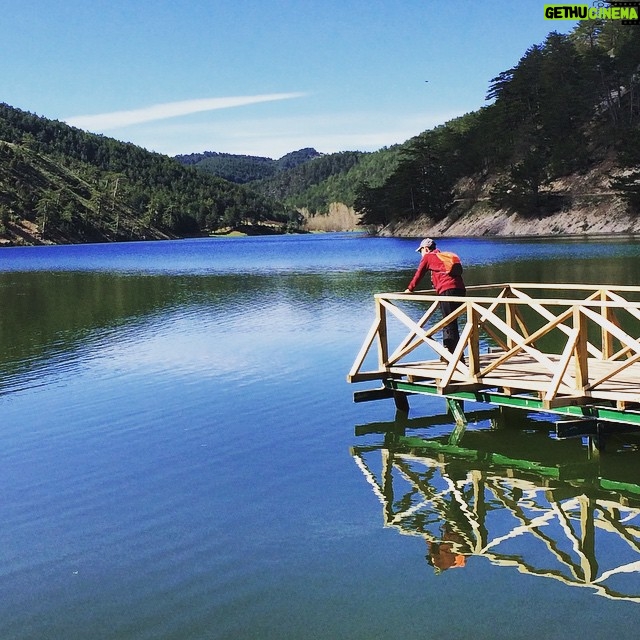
(446, 277)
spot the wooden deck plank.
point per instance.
(526, 373)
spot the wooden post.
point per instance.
(588, 538)
(473, 317)
(383, 343)
(457, 433)
(607, 338)
(387, 484)
(510, 320)
(456, 408)
(401, 401)
(479, 509)
(580, 353)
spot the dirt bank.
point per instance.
(591, 208)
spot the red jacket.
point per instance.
(440, 263)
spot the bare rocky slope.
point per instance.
(594, 209)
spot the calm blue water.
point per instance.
(181, 458)
(300, 254)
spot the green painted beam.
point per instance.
(630, 418)
(621, 487)
(372, 394)
(586, 475)
(422, 422)
(485, 457)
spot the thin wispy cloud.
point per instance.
(274, 136)
(119, 119)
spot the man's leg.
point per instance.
(450, 333)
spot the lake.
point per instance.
(181, 457)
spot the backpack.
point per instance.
(451, 262)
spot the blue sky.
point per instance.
(260, 77)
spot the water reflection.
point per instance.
(507, 491)
(48, 320)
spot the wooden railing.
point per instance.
(567, 343)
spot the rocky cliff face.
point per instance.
(582, 219)
(592, 209)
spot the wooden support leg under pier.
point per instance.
(456, 409)
(402, 403)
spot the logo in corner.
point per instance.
(627, 12)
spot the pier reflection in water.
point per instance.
(507, 491)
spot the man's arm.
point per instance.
(423, 267)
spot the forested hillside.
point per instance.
(567, 114)
(60, 184)
(570, 106)
(289, 184)
(304, 180)
(242, 169)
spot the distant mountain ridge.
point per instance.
(243, 168)
(303, 180)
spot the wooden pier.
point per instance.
(568, 349)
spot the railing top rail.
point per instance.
(493, 293)
(551, 286)
(557, 286)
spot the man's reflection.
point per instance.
(447, 553)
